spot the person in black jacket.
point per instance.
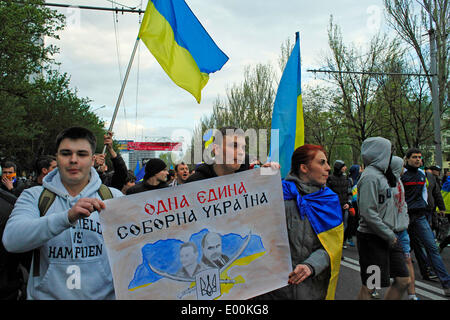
(10, 182)
(14, 267)
(113, 178)
(419, 230)
(229, 156)
(436, 171)
(342, 186)
(434, 200)
(155, 177)
(43, 165)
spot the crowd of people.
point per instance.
(389, 205)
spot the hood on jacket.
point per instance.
(354, 171)
(338, 165)
(52, 182)
(397, 166)
(376, 152)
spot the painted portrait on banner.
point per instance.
(220, 238)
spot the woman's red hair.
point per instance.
(304, 155)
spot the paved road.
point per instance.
(350, 281)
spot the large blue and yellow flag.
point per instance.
(208, 137)
(445, 191)
(180, 44)
(323, 210)
(287, 115)
(137, 169)
(140, 175)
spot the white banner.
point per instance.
(220, 238)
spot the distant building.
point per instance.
(134, 152)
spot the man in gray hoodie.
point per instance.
(380, 255)
(72, 261)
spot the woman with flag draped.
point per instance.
(315, 228)
(445, 191)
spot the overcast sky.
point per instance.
(95, 48)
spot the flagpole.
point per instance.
(130, 63)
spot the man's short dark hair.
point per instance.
(411, 151)
(9, 164)
(176, 166)
(75, 133)
(130, 177)
(224, 130)
(42, 162)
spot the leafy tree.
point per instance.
(411, 20)
(248, 105)
(410, 26)
(167, 158)
(323, 125)
(356, 85)
(408, 108)
(36, 102)
(22, 51)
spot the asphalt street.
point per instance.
(350, 282)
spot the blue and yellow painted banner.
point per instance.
(287, 115)
(180, 44)
(164, 254)
(219, 238)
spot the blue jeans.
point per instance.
(403, 240)
(419, 230)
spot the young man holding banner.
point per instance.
(229, 155)
(64, 232)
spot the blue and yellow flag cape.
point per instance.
(445, 191)
(323, 210)
(180, 44)
(287, 115)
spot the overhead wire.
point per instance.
(115, 23)
(116, 31)
(120, 4)
(137, 80)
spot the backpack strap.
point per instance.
(104, 192)
(46, 199)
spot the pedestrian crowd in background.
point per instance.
(386, 206)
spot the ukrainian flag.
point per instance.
(323, 210)
(445, 191)
(140, 175)
(137, 169)
(287, 115)
(208, 137)
(180, 44)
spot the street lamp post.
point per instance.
(103, 106)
